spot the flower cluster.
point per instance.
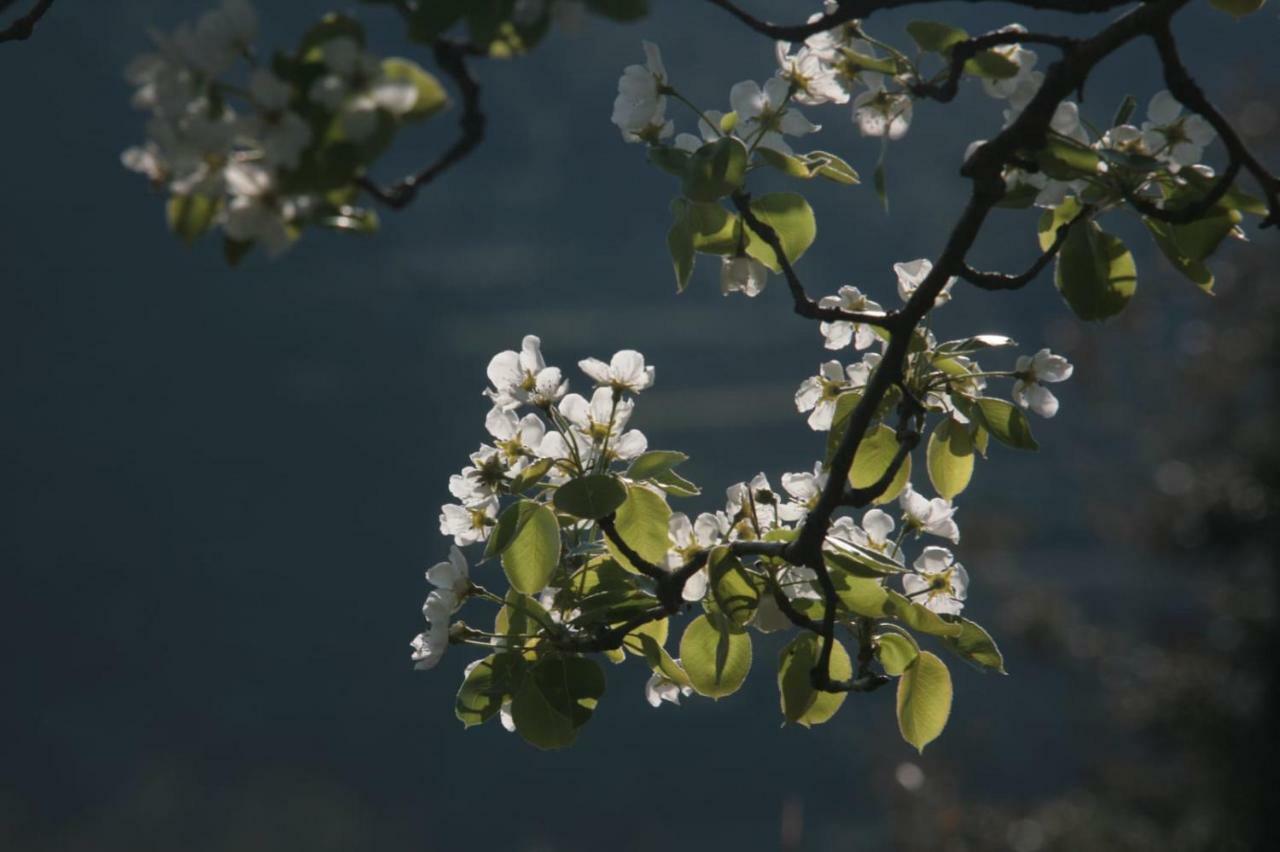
(264, 149)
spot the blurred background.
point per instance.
(222, 484)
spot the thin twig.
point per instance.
(23, 27)
(451, 57)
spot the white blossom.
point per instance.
(930, 516)
(468, 524)
(742, 274)
(813, 78)
(429, 646)
(625, 371)
(451, 575)
(840, 334)
(640, 107)
(940, 583)
(804, 489)
(1033, 372)
(256, 212)
(1169, 135)
(879, 112)
(912, 274)
(751, 505)
(660, 688)
(598, 426)
(818, 394)
(524, 377)
(765, 115)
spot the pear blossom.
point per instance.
(625, 371)
(597, 427)
(764, 115)
(810, 73)
(1033, 372)
(751, 507)
(516, 439)
(660, 688)
(469, 524)
(223, 35)
(256, 212)
(1025, 59)
(1027, 87)
(686, 539)
(818, 394)
(928, 516)
(840, 334)
(451, 575)
(742, 274)
(524, 377)
(280, 134)
(912, 274)
(641, 105)
(429, 646)
(879, 112)
(708, 129)
(873, 534)
(939, 582)
(482, 479)
(804, 489)
(1180, 140)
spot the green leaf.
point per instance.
(917, 616)
(969, 345)
(676, 485)
(992, 65)
(845, 404)
(528, 538)
(189, 216)
(1066, 159)
(716, 654)
(872, 461)
(481, 694)
(715, 170)
(792, 220)
(1006, 422)
(556, 698)
(881, 184)
(642, 522)
(833, 168)
(1095, 273)
(655, 463)
(858, 560)
(801, 703)
(896, 652)
(531, 475)
(811, 165)
(1125, 111)
(976, 646)
(861, 596)
(432, 97)
(590, 497)
(1195, 270)
(1237, 8)
(731, 586)
(924, 700)
(658, 658)
(619, 10)
(936, 37)
(680, 244)
(1053, 219)
(673, 161)
(951, 458)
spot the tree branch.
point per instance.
(1001, 281)
(966, 50)
(451, 57)
(804, 306)
(850, 10)
(1184, 87)
(23, 27)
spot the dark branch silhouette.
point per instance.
(23, 28)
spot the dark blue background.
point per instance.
(223, 483)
